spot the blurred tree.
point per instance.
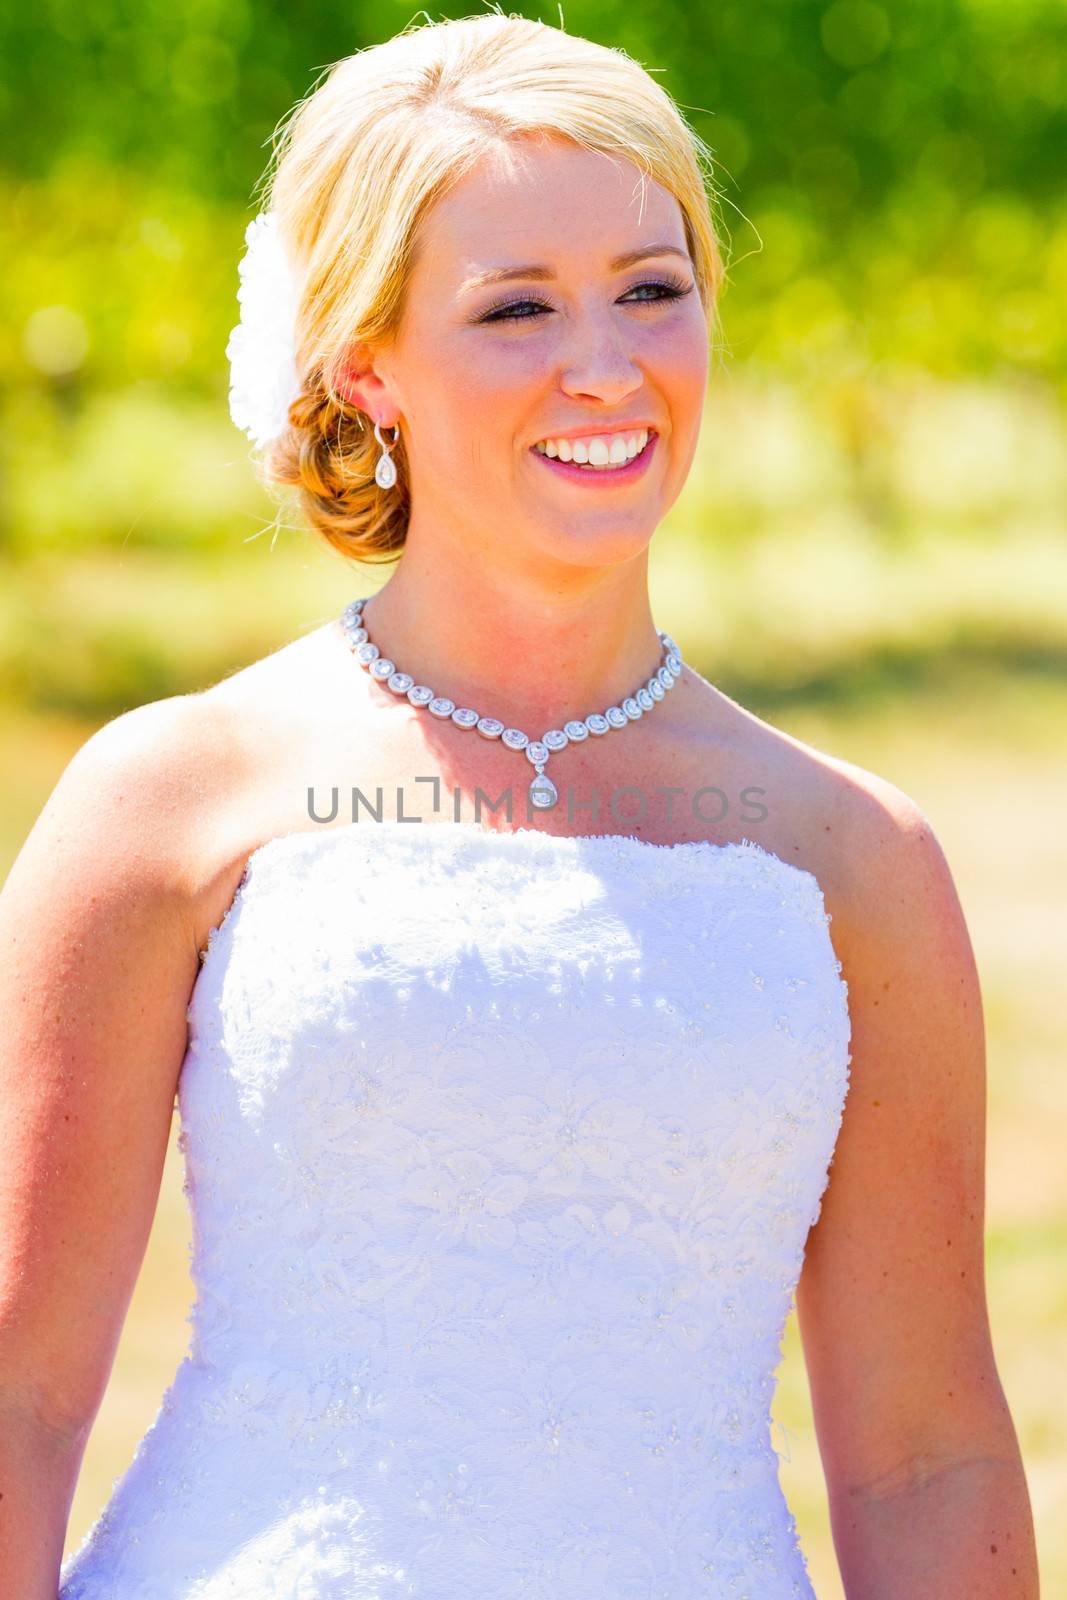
(840, 102)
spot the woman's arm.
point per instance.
(927, 1490)
(38, 1475)
(97, 962)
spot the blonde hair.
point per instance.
(357, 164)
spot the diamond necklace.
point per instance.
(543, 793)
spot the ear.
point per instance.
(357, 379)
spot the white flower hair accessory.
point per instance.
(261, 348)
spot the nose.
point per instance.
(604, 369)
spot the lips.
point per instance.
(597, 450)
(611, 477)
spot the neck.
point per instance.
(533, 655)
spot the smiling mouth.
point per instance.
(608, 469)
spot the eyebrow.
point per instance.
(501, 274)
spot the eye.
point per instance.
(670, 288)
(673, 288)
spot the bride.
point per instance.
(487, 948)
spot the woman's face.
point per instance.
(583, 346)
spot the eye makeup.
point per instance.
(673, 288)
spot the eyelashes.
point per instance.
(673, 289)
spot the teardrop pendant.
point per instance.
(385, 473)
(543, 792)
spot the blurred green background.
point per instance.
(870, 551)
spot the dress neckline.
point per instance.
(537, 838)
(530, 838)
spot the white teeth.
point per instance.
(599, 451)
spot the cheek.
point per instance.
(505, 366)
(678, 358)
(481, 379)
(462, 418)
(485, 397)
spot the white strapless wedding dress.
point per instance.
(501, 1151)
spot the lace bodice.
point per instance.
(501, 1153)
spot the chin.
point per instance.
(589, 546)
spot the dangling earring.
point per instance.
(385, 471)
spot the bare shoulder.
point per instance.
(882, 866)
(135, 804)
(897, 921)
(178, 793)
(152, 819)
(850, 826)
(900, 931)
(884, 875)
